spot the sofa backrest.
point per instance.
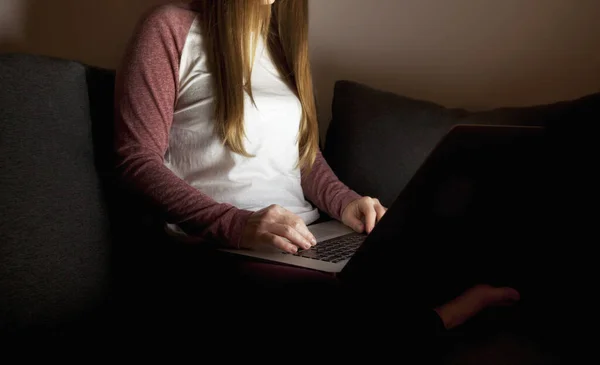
(377, 139)
(55, 238)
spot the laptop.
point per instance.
(340, 249)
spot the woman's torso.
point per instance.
(197, 155)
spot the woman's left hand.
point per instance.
(363, 214)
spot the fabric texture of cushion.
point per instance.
(54, 230)
(377, 139)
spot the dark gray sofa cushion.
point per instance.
(54, 228)
(377, 140)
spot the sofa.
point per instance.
(78, 254)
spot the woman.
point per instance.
(216, 125)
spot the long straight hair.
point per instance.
(231, 28)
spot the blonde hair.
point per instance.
(230, 26)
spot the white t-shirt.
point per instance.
(197, 155)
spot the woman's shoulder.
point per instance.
(163, 27)
(169, 16)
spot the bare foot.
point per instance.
(473, 301)
(492, 296)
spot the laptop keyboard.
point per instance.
(335, 249)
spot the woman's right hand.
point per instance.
(277, 227)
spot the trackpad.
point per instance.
(328, 230)
(322, 232)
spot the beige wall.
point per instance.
(469, 53)
(92, 31)
(11, 20)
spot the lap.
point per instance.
(198, 273)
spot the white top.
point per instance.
(197, 155)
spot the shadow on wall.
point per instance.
(90, 31)
(462, 53)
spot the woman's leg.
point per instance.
(233, 285)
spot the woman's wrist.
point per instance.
(238, 223)
(348, 198)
